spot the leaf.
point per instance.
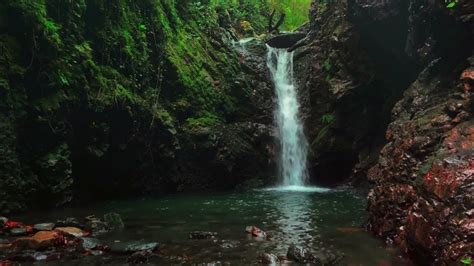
(451, 5)
(467, 261)
(142, 27)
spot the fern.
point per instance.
(328, 119)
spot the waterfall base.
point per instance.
(303, 189)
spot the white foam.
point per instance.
(303, 189)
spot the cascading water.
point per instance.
(293, 143)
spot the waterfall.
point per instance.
(293, 143)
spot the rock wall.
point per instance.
(423, 182)
(406, 66)
(114, 97)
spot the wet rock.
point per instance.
(202, 235)
(114, 221)
(89, 243)
(20, 231)
(229, 244)
(132, 247)
(327, 257)
(468, 79)
(256, 232)
(299, 254)
(286, 40)
(35, 256)
(69, 222)
(269, 259)
(44, 227)
(96, 226)
(11, 224)
(71, 231)
(41, 240)
(139, 257)
(3, 220)
(5, 244)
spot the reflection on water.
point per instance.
(309, 219)
(295, 219)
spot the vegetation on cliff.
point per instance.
(90, 79)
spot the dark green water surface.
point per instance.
(317, 220)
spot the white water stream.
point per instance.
(293, 143)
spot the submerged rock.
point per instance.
(134, 246)
(269, 259)
(299, 254)
(96, 226)
(202, 235)
(35, 256)
(44, 227)
(256, 232)
(20, 231)
(89, 243)
(139, 257)
(114, 221)
(69, 222)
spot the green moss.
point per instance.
(205, 119)
(68, 65)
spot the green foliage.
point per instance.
(451, 3)
(205, 119)
(327, 64)
(466, 261)
(328, 119)
(142, 27)
(297, 12)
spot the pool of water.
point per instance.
(314, 218)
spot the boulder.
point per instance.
(41, 240)
(202, 235)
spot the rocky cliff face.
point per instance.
(108, 98)
(423, 193)
(405, 65)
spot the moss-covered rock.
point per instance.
(97, 96)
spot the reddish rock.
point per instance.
(421, 231)
(468, 79)
(255, 231)
(422, 198)
(41, 240)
